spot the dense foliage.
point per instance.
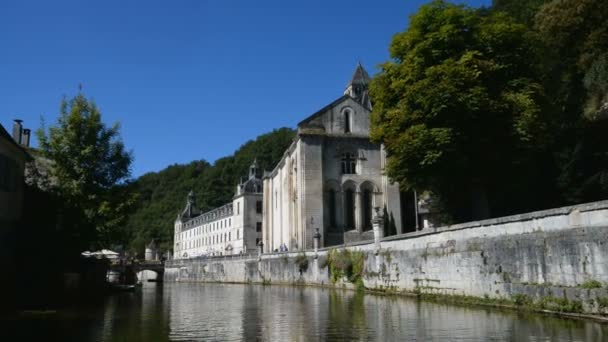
(499, 110)
(163, 194)
(89, 170)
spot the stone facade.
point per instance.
(234, 228)
(331, 177)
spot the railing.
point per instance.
(214, 258)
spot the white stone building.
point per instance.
(234, 228)
(330, 178)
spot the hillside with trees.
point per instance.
(163, 194)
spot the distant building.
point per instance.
(233, 228)
(13, 157)
(151, 252)
(332, 178)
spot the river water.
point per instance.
(216, 312)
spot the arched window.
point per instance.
(332, 208)
(349, 203)
(347, 118)
(367, 209)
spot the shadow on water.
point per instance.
(215, 312)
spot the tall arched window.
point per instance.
(332, 208)
(347, 118)
(349, 203)
(367, 209)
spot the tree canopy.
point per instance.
(487, 104)
(90, 167)
(458, 98)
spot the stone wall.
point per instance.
(555, 259)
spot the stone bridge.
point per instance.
(137, 270)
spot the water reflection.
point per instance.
(213, 312)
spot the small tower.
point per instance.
(254, 183)
(358, 87)
(151, 252)
(253, 169)
(190, 211)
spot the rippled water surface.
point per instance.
(212, 312)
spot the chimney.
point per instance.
(17, 130)
(25, 138)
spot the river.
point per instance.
(216, 312)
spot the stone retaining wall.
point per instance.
(555, 259)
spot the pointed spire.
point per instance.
(360, 77)
(358, 86)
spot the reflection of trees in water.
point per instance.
(138, 316)
(347, 316)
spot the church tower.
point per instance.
(358, 87)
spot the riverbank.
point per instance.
(548, 261)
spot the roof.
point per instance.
(4, 134)
(360, 76)
(324, 109)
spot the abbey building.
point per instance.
(330, 178)
(234, 228)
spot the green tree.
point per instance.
(459, 109)
(575, 38)
(522, 10)
(90, 170)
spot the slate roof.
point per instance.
(360, 77)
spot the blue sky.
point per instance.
(189, 79)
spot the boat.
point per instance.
(121, 287)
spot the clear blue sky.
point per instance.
(189, 79)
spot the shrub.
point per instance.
(302, 262)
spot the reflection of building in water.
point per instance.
(209, 312)
(234, 228)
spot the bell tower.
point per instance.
(358, 87)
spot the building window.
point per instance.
(238, 208)
(258, 227)
(258, 207)
(347, 118)
(367, 209)
(349, 163)
(349, 202)
(237, 234)
(332, 208)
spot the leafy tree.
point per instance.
(577, 33)
(90, 169)
(575, 37)
(460, 110)
(522, 10)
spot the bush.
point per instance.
(591, 284)
(302, 262)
